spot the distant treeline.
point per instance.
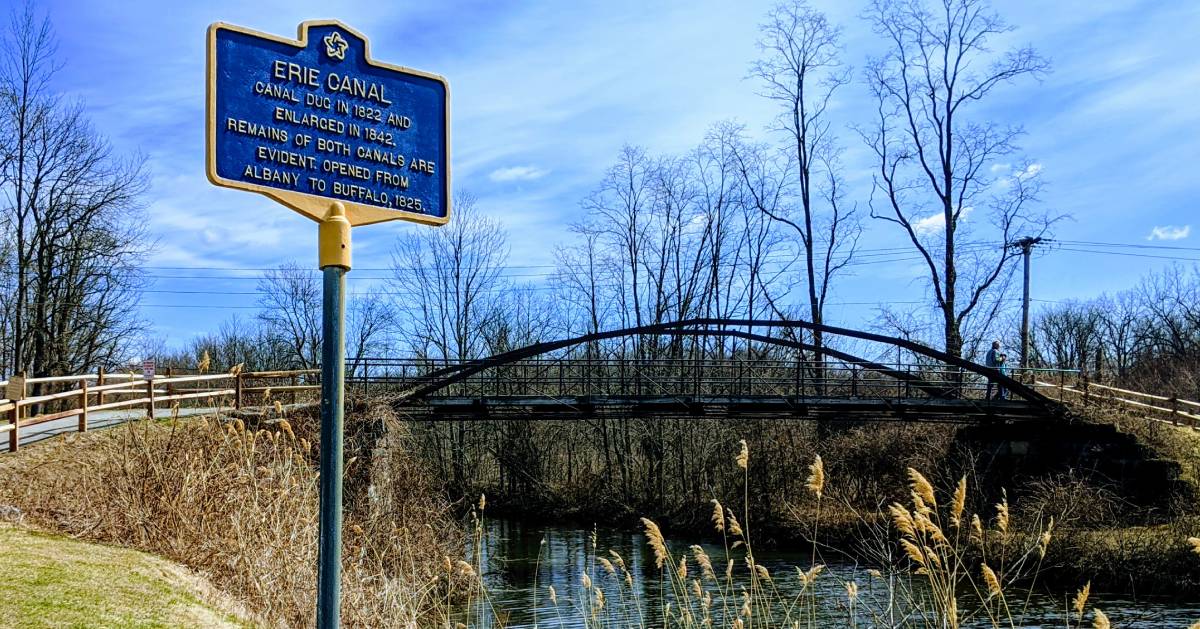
(1146, 337)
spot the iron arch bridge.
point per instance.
(781, 377)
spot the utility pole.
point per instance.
(1026, 246)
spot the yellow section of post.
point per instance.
(333, 238)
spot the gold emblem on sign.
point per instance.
(335, 46)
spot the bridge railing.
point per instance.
(708, 377)
(79, 396)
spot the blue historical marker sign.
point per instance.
(316, 120)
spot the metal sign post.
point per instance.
(322, 128)
(333, 246)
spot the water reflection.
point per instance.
(523, 560)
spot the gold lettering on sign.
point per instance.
(271, 90)
(356, 87)
(320, 123)
(271, 175)
(237, 125)
(287, 158)
(296, 73)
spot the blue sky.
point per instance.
(545, 93)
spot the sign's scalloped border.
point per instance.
(311, 205)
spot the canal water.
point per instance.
(521, 560)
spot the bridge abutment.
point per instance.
(1012, 453)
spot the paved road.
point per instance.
(97, 420)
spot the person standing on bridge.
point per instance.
(995, 360)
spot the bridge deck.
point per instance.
(565, 407)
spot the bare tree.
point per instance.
(73, 233)
(291, 302)
(1125, 332)
(448, 280)
(719, 195)
(370, 330)
(290, 298)
(935, 160)
(800, 69)
(621, 208)
(1069, 336)
(580, 277)
(762, 198)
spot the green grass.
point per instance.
(53, 581)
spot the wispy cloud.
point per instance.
(1169, 232)
(517, 173)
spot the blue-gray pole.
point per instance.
(334, 252)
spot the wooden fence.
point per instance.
(1158, 407)
(83, 394)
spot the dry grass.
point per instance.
(240, 505)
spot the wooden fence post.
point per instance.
(237, 391)
(100, 383)
(1174, 411)
(14, 418)
(83, 411)
(150, 404)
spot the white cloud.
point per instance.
(517, 173)
(935, 223)
(1030, 171)
(1169, 232)
(931, 224)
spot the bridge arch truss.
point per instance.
(783, 378)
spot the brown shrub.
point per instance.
(240, 505)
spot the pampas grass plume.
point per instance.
(718, 516)
(1002, 515)
(960, 501)
(654, 537)
(816, 477)
(1081, 598)
(993, 583)
(922, 487)
(608, 566)
(735, 529)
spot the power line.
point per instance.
(1127, 254)
(830, 303)
(1126, 245)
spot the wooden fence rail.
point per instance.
(1172, 412)
(88, 393)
